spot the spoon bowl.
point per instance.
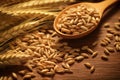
(99, 8)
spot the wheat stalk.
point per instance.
(22, 28)
(12, 57)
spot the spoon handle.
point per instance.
(104, 4)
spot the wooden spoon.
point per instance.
(99, 7)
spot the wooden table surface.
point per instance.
(104, 70)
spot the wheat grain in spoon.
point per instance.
(80, 19)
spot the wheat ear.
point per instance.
(28, 12)
(8, 23)
(40, 3)
(12, 57)
(9, 2)
(22, 28)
